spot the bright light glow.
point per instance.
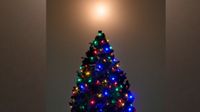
(101, 10)
(101, 15)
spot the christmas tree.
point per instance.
(101, 85)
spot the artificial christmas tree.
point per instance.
(101, 85)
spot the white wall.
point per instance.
(183, 55)
(22, 55)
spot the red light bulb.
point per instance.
(115, 83)
(95, 52)
(97, 82)
(92, 102)
(102, 41)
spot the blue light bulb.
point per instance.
(82, 87)
(131, 96)
(106, 49)
(105, 93)
(113, 78)
(99, 66)
(129, 109)
(118, 70)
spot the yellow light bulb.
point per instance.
(87, 73)
(99, 95)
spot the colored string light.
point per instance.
(122, 104)
(79, 80)
(113, 78)
(97, 82)
(101, 79)
(99, 66)
(87, 73)
(106, 49)
(131, 97)
(99, 34)
(92, 102)
(99, 95)
(113, 101)
(90, 80)
(82, 107)
(126, 95)
(114, 60)
(95, 52)
(92, 58)
(102, 41)
(129, 109)
(105, 93)
(81, 86)
(117, 89)
(95, 43)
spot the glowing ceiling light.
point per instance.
(101, 10)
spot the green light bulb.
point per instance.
(92, 58)
(82, 107)
(79, 80)
(99, 34)
(117, 89)
(113, 101)
(90, 80)
(95, 43)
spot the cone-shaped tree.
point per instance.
(101, 85)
